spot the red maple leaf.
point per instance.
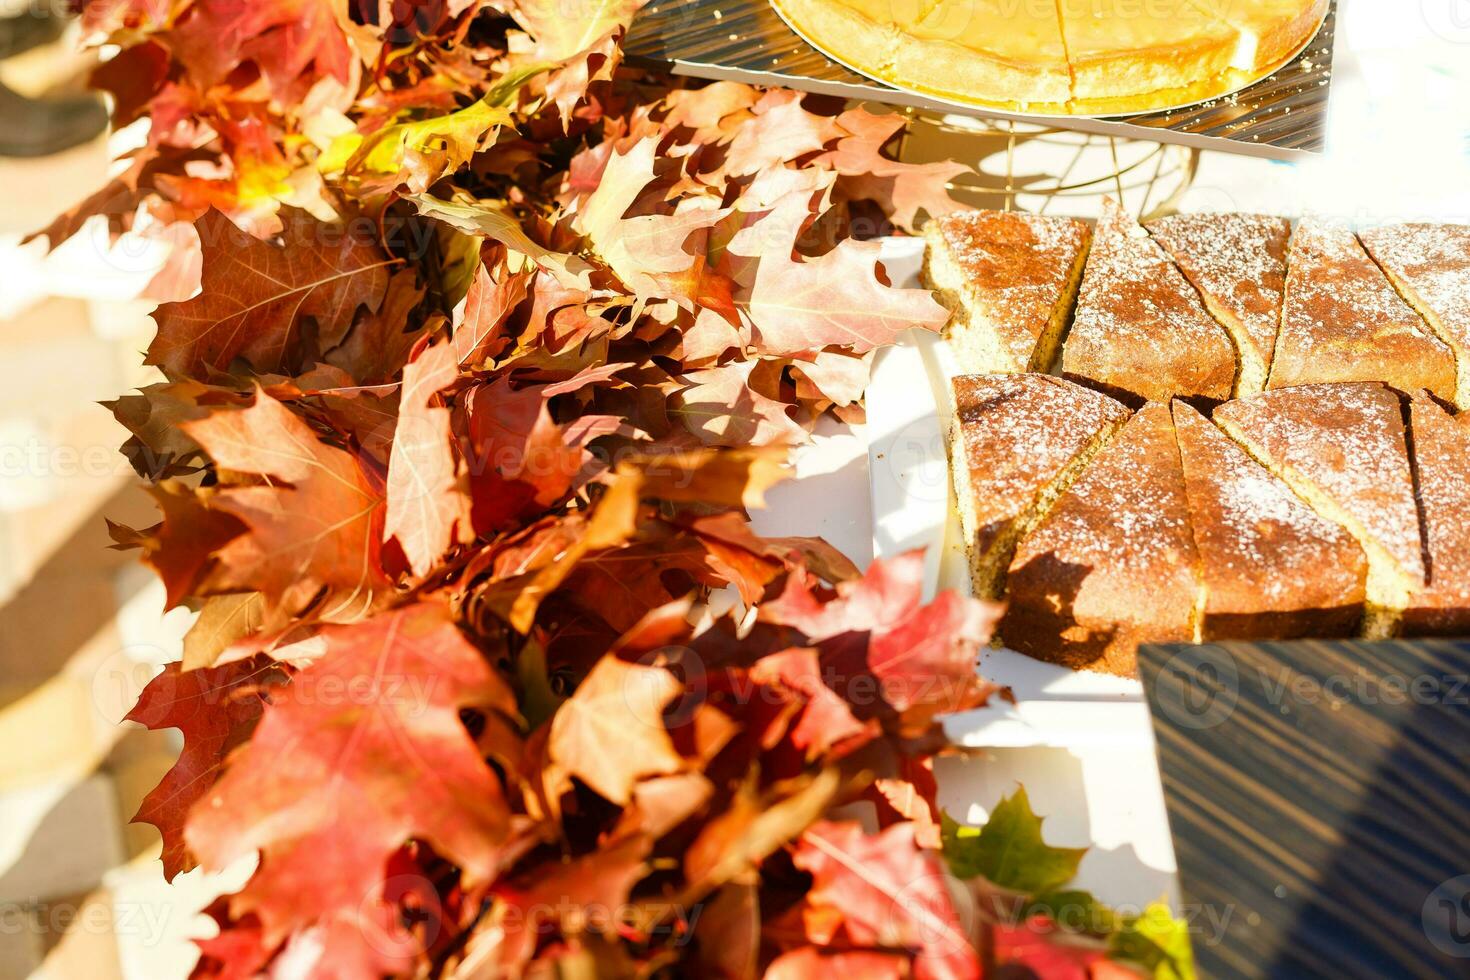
(214, 709)
(890, 892)
(363, 751)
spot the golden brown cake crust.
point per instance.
(1442, 460)
(1015, 269)
(1140, 327)
(1430, 265)
(1272, 568)
(1343, 321)
(1123, 48)
(1238, 264)
(1348, 440)
(1114, 563)
(1018, 431)
(1280, 26)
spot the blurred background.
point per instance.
(81, 626)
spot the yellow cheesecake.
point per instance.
(1058, 56)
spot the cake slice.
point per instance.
(1010, 280)
(1430, 267)
(1342, 448)
(1123, 49)
(1343, 321)
(1140, 328)
(1113, 564)
(1018, 442)
(1442, 461)
(1238, 264)
(1272, 568)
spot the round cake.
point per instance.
(1088, 57)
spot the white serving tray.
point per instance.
(909, 409)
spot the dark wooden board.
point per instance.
(1319, 800)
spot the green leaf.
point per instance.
(1075, 910)
(1157, 941)
(1009, 851)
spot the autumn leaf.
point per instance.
(1157, 941)
(610, 733)
(888, 890)
(561, 34)
(836, 298)
(480, 328)
(901, 189)
(418, 153)
(319, 532)
(922, 657)
(814, 963)
(721, 406)
(363, 750)
(183, 545)
(657, 256)
(427, 506)
(497, 344)
(214, 710)
(255, 295)
(493, 220)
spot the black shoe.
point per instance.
(41, 127)
(29, 30)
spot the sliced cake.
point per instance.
(1272, 568)
(1342, 448)
(1018, 441)
(1238, 264)
(1140, 328)
(1343, 321)
(1114, 563)
(1430, 267)
(1442, 461)
(1010, 280)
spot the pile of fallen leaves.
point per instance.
(495, 343)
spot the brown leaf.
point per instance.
(610, 733)
(254, 295)
(480, 334)
(318, 530)
(427, 506)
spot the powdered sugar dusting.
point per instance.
(1019, 431)
(1017, 265)
(1126, 517)
(1348, 440)
(1442, 451)
(1343, 320)
(1238, 260)
(1262, 547)
(1140, 327)
(1435, 261)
